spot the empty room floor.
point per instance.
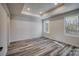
(41, 47)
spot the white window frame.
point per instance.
(46, 22)
(68, 34)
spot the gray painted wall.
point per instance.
(25, 27)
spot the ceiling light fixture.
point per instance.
(28, 9)
(55, 3)
(40, 12)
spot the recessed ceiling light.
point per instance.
(28, 9)
(55, 3)
(40, 12)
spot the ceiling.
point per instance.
(15, 8)
(36, 8)
(66, 7)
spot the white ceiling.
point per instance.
(36, 8)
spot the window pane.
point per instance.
(72, 25)
(46, 24)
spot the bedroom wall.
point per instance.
(25, 27)
(57, 30)
(4, 23)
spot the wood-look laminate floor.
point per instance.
(38, 47)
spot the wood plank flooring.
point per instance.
(40, 47)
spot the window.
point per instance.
(72, 25)
(46, 26)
